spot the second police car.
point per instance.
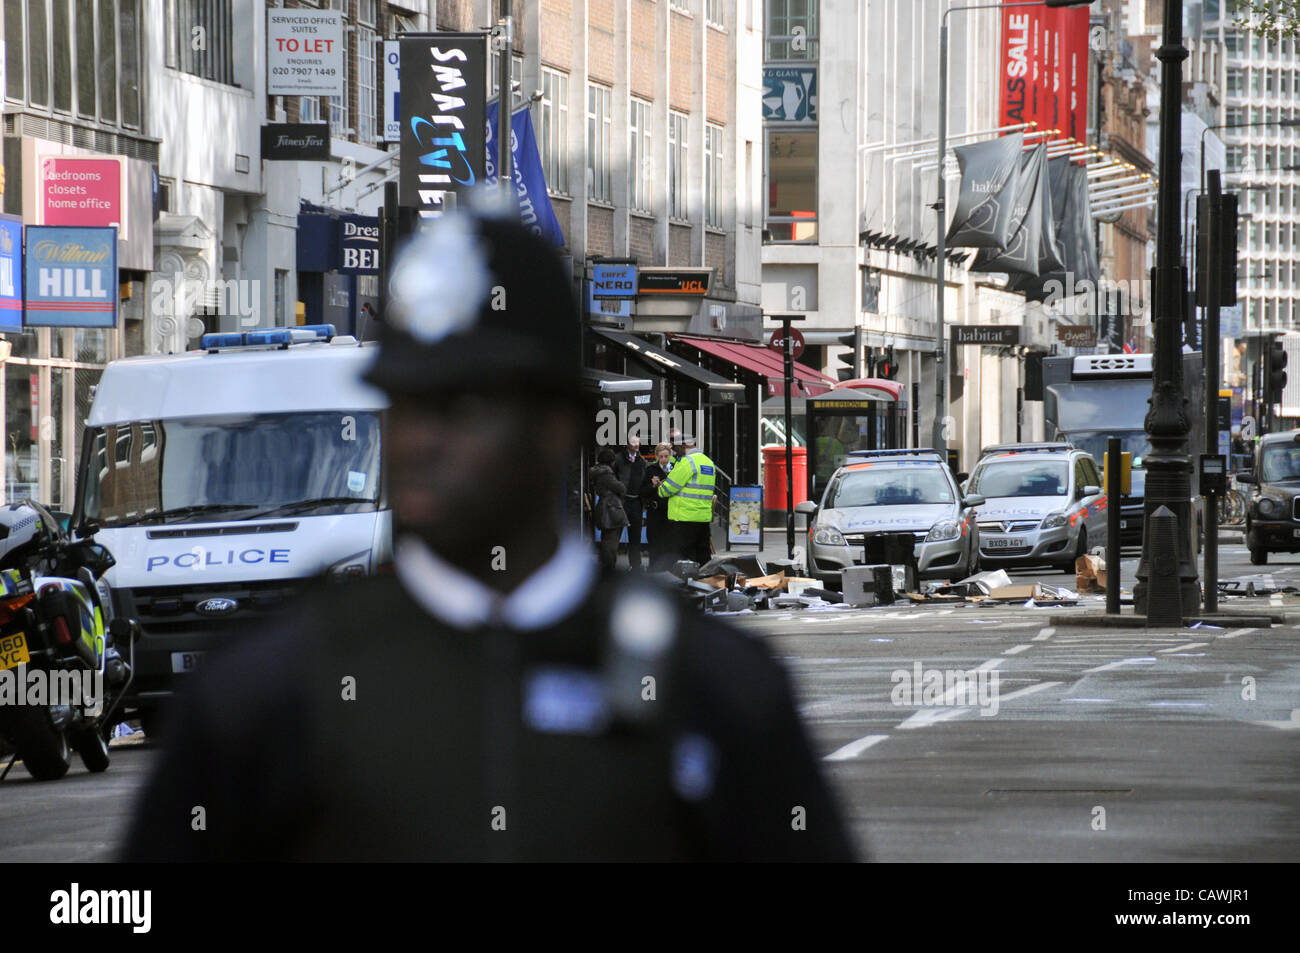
(1043, 504)
(893, 491)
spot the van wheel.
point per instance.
(1259, 557)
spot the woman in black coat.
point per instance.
(657, 529)
(609, 515)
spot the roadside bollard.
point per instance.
(1164, 598)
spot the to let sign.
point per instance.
(304, 53)
(1077, 335)
(993, 335)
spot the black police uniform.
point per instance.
(435, 759)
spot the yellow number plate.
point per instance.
(13, 650)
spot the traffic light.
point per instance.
(1274, 371)
(853, 359)
(887, 366)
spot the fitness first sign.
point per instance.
(444, 107)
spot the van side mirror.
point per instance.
(1247, 477)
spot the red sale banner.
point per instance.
(1044, 69)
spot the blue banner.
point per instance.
(11, 273)
(530, 182)
(71, 277)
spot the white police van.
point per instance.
(222, 478)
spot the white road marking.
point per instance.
(1110, 665)
(928, 716)
(1016, 650)
(855, 748)
(1236, 632)
(1047, 633)
(1181, 648)
(1028, 690)
(1291, 725)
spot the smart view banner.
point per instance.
(1044, 72)
(71, 277)
(444, 83)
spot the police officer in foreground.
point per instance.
(491, 698)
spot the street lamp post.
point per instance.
(1168, 423)
(940, 208)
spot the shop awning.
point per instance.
(765, 361)
(718, 389)
(597, 381)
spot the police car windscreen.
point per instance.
(899, 487)
(232, 468)
(1021, 478)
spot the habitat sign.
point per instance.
(71, 277)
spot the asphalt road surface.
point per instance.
(1107, 744)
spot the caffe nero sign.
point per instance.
(296, 140)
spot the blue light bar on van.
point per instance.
(267, 337)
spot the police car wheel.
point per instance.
(1080, 550)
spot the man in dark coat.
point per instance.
(630, 470)
(492, 698)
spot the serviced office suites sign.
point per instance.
(71, 277)
(444, 107)
(304, 53)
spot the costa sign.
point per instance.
(1044, 69)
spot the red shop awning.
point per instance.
(765, 361)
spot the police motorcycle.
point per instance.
(61, 675)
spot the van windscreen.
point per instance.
(232, 468)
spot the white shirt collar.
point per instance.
(460, 600)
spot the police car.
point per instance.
(222, 478)
(893, 491)
(1043, 504)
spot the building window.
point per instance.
(201, 36)
(76, 57)
(713, 12)
(599, 126)
(792, 30)
(366, 11)
(640, 161)
(281, 318)
(792, 185)
(712, 174)
(678, 166)
(555, 124)
(366, 84)
(516, 77)
(309, 109)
